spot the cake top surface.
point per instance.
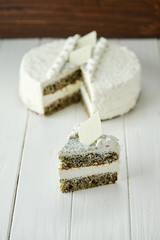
(37, 61)
(92, 139)
(112, 64)
(51, 61)
(116, 63)
(105, 143)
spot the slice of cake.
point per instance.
(88, 159)
(106, 76)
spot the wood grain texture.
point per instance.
(56, 18)
(143, 151)
(13, 118)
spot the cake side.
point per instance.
(33, 67)
(115, 85)
(33, 87)
(74, 172)
(87, 159)
(30, 91)
(70, 77)
(63, 102)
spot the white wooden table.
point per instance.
(31, 205)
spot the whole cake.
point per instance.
(104, 75)
(88, 164)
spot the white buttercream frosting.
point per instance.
(74, 147)
(116, 83)
(113, 77)
(89, 171)
(74, 132)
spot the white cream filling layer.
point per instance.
(65, 91)
(89, 171)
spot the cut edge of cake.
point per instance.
(83, 167)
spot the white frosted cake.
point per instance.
(106, 76)
(90, 165)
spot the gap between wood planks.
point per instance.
(126, 154)
(70, 223)
(19, 169)
(20, 163)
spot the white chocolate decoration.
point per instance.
(81, 55)
(62, 57)
(88, 39)
(90, 130)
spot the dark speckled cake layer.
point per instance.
(87, 182)
(62, 103)
(62, 82)
(88, 159)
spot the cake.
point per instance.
(104, 75)
(83, 165)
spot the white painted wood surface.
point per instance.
(13, 118)
(31, 205)
(142, 128)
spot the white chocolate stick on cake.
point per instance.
(89, 158)
(104, 75)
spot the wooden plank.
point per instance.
(103, 213)
(143, 137)
(41, 210)
(13, 118)
(62, 18)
